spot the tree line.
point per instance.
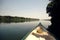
(16, 19)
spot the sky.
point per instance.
(24, 8)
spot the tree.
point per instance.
(53, 8)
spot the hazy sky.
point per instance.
(24, 8)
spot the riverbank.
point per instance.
(16, 19)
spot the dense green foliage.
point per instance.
(15, 19)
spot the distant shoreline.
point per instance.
(16, 19)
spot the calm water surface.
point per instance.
(15, 31)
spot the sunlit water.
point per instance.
(15, 31)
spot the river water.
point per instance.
(15, 31)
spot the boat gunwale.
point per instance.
(36, 27)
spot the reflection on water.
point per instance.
(17, 21)
(15, 31)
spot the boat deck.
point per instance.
(39, 34)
